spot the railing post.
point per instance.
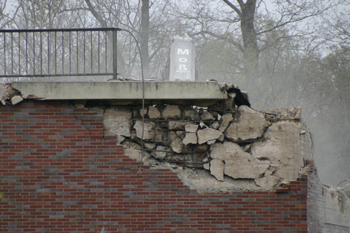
(114, 42)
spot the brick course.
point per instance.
(59, 174)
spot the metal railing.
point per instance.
(58, 52)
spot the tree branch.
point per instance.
(95, 14)
(233, 6)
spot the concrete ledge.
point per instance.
(119, 90)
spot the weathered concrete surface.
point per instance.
(282, 148)
(249, 125)
(120, 90)
(117, 121)
(337, 208)
(238, 164)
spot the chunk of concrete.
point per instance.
(190, 138)
(225, 122)
(148, 128)
(117, 121)
(171, 111)
(250, 125)
(238, 164)
(191, 128)
(16, 99)
(282, 148)
(208, 134)
(176, 143)
(153, 112)
(217, 169)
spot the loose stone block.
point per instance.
(250, 125)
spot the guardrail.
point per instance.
(58, 52)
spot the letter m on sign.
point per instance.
(183, 52)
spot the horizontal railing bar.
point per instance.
(60, 30)
(53, 75)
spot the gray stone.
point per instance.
(171, 111)
(217, 169)
(207, 134)
(16, 99)
(225, 122)
(191, 128)
(148, 129)
(153, 112)
(117, 121)
(206, 116)
(190, 138)
(178, 125)
(250, 125)
(215, 125)
(206, 166)
(176, 142)
(282, 148)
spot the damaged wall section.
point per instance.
(215, 148)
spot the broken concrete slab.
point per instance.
(148, 128)
(190, 138)
(282, 148)
(208, 134)
(238, 164)
(248, 126)
(117, 121)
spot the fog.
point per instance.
(282, 53)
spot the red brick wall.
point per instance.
(60, 175)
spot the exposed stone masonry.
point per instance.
(215, 148)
